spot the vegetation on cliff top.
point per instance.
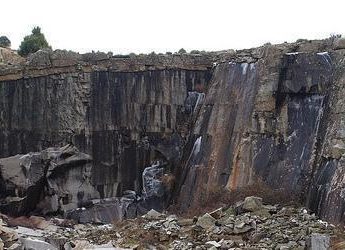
(32, 43)
(5, 42)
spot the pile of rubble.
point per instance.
(246, 225)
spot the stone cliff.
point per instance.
(273, 113)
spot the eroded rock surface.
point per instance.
(219, 119)
(276, 119)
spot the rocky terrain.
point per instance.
(246, 225)
(98, 138)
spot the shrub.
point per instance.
(335, 36)
(195, 52)
(5, 42)
(33, 42)
(182, 51)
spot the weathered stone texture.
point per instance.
(123, 119)
(273, 113)
(282, 124)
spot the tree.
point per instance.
(33, 42)
(182, 51)
(195, 52)
(5, 42)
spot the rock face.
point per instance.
(274, 113)
(124, 120)
(277, 119)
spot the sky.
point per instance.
(143, 26)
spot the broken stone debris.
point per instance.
(281, 228)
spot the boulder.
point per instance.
(69, 179)
(185, 222)
(229, 212)
(21, 176)
(206, 221)
(226, 244)
(242, 227)
(57, 241)
(252, 204)
(318, 241)
(104, 211)
(31, 243)
(213, 243)
(153, 215)
(55, 179)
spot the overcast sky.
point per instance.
(142, 26)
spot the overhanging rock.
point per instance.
(53, 180)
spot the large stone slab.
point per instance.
(53, 180)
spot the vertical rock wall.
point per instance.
(123, 119)
(326, 194)
(223, 118)
(275, 113)
(287, 156)
(279, 120)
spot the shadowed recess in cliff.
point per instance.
(223, 118)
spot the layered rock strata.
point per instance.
(273, 113)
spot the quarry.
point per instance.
(101, 151)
